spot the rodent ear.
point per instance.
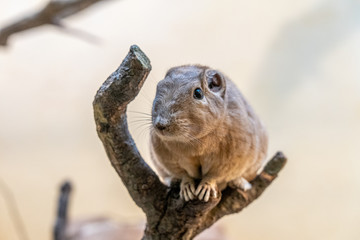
(215, 81)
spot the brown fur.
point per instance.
(218, 139)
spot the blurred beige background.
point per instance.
(296, 61)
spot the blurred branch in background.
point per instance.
(62, 216)
(103, 228)
(13, 210)
(52, 13)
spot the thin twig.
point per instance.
(13, 209)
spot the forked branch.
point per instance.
(168, 217)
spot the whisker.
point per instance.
(140, 121)
(144, 132)
(142, 129)
(194, 139)
(139, 126)
(141, 117)
(146, 97)
(137, 112)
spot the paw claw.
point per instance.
(207, 196)
(192, 188)
(202, 193)
(205, 190)
(186, 189)
(189, 193)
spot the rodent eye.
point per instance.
(198, 94)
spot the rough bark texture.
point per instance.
(168, 217)
(52, 13)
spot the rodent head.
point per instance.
(189, 103)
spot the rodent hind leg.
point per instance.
(207, 187)
(187, 188)
(241, 183)
(165, 177)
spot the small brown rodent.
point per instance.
(204, 129)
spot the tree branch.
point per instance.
(52, 13)
(62, 212)
(110, 116)
(168, 217)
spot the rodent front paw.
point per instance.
(187, 189)
(205, 190)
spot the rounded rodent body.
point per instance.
(203, 128)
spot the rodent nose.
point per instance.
(161, 123)
(161, 126)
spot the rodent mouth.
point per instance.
(162, 127)
(163, 132)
